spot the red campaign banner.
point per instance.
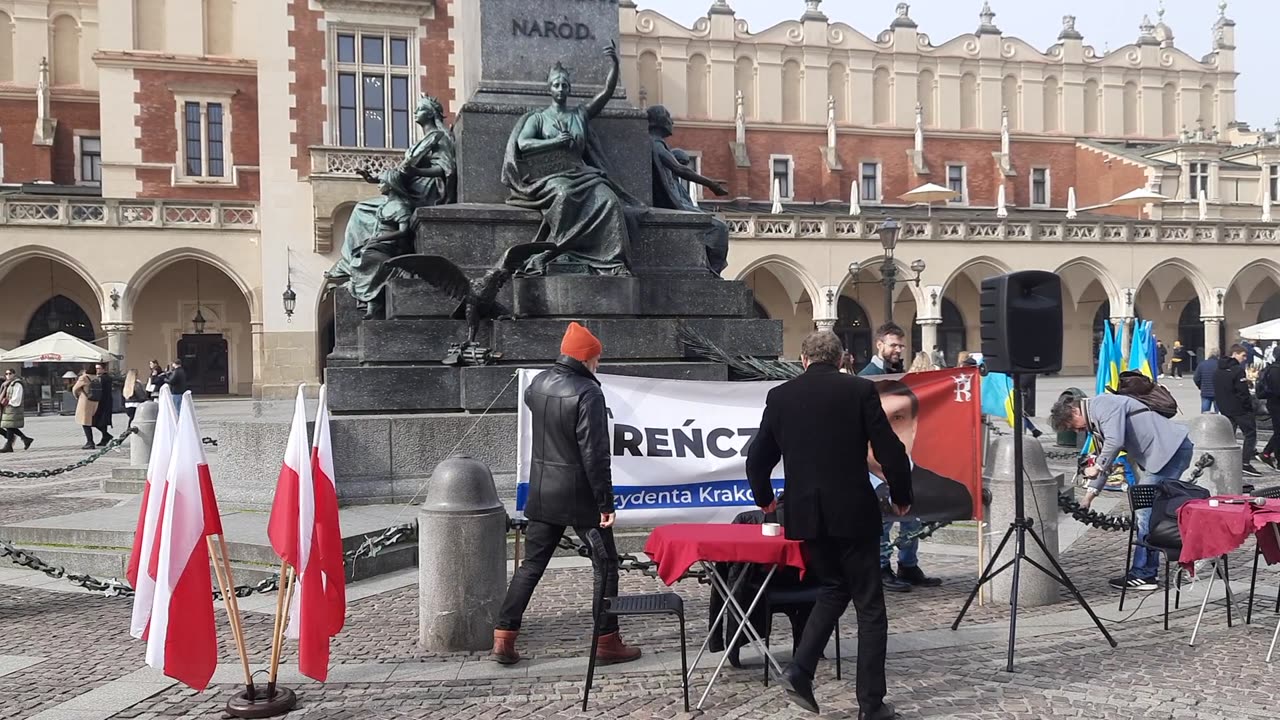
(938, 416)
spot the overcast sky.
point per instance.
(1104, 23)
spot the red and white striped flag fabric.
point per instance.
(304, 532)
(141, 574)
(182, 638)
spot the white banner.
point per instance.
(679, 447)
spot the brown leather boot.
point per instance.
(504, 647)
(610, 650)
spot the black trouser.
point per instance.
(130, 412)
(1273, 409)
(848, 570)
(540, 544)
(1177, 369)
(1248, 426)
(11, 434)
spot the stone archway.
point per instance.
(31, 284)
(782, 292)
(1088, 292)
(953, 334)
(853, 327)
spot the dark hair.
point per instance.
(822, 346)
(1063, 411)
(897, 387)
(177, 361)
(1237, 348)
(889, 328)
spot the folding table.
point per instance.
(676, 548)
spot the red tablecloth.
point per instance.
(1208, 532)
(677, 547)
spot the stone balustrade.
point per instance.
(842, 227)
(123, 213)
(346, 160)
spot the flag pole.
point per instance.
(222, 568)
(277, 635)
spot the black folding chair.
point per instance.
(786, 600)
(667, 603)
(1271, 493)
(1143, 497)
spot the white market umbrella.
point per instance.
(777, 197)
(854, 208)
(1203, 203)
(928, 194)
(1269, 330)
(1071, 203)
(1001, 210)
(1138, 198)
(57, 348)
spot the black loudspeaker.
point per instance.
(1022, 322)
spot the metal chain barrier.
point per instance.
(116, 442)
(1111, 523)
(118, 588)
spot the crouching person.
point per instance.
(570, 485)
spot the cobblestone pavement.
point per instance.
(80, 644)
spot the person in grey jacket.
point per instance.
(1154, 443)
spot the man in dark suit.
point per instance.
(820, 423)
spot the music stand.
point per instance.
(1019, 529)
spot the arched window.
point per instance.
(1208, 107)
(952, 336)
(1270, 309)
(59, 314)
(650, 78)
(744, 81)
(968, 101)
(66, 51)
(1051, 111)
(1130, 100)
(792, 93)
(218, 25)
(924, 95)
(1009, 100)
(148, 24)
(881, 109)
(6, 48)
(853, 329)
(1090, 106)
(837, 79)
(696, 84)
(1169, 110)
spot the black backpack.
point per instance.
(1170, 496)
(1266, 388)
(1156, 397)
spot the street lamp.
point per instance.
(888, 232)
(290, 297)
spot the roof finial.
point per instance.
(1222, 8)
(1160, 12)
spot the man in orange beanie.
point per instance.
(570, 485)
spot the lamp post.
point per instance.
(888, 269)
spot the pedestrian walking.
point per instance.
(134, 395)
(86, 406)
(1122, 423)
(1235, 401)
(106, 403)
(1180, 359)
(820, 425)
(1162, 353)
(570, 485)
(176, 379)
(155, 379)
(1269, 392)
(12, 411)
(1203, 378)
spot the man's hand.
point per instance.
(606, 519)
(771, 508)
(901, 510)
(1092, 471)
(1088, 499)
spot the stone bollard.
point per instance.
(140, 442)
(1040, 505)
(462, 553)
(1214, 435)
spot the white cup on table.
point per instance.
(771, 529)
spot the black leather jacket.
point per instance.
(569, 477)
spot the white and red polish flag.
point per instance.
(182, 639)
(141, 573)
(304, 532)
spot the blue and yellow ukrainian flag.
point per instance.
(1109, 360)
(1142, 349)
(997, 396)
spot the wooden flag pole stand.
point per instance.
(277, 700)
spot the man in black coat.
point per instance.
(102, 416)
(570, 485)
(1235, 401)
(820, 425)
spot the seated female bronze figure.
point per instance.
(381, 228)
(555, 165)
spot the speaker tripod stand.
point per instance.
(1018, 531)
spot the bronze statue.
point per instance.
(381, 228)
(670, 167)
(554, 164)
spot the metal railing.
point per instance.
(123, 213)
